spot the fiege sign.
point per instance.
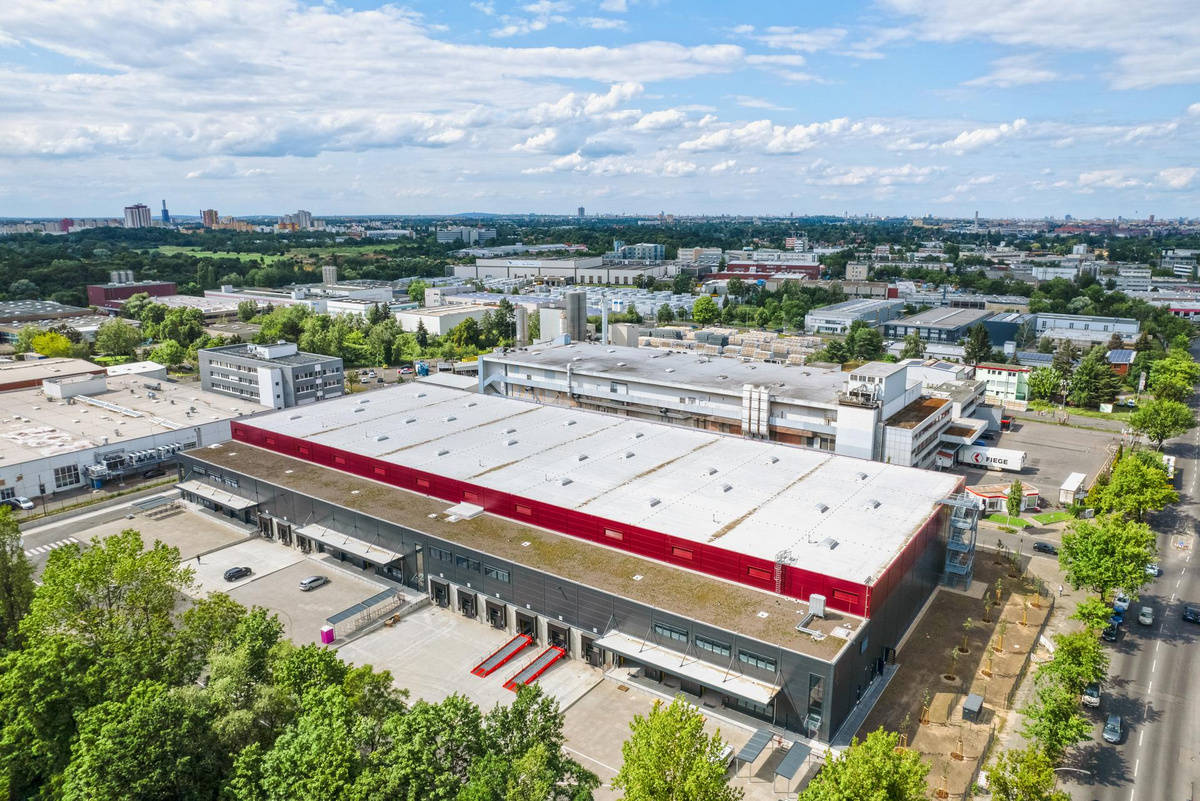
(992, 458)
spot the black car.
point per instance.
(1191, 614)
(154, 472)
(235, 573)
(1045, 547)
(1111, 633)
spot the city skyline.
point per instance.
(896, 107)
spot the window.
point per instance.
(845, 597)
(339, 460)
(496, 573)
(423, 483)
(471, 497)
(816, 694)
(756, 661)
(681, 553)
(712, 646)
(200, 471)
(465, 563)
(613, 534)
(758, 573)
(231, 482)
(381, 471)
(7, 492)
(305, 451)
(67, 476)
(524, 510)
(670, 632)
(440, 554)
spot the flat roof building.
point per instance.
(24, 310)
(786, 576)
(106, 296)
(439, 320)
(563, 270)
(31, 373)
(837, 318)
(942, 324)
(276, 376)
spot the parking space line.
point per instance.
(590, 759)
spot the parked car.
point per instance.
(405, 371)
(1146, 616)
(309, 583)
(1045, 547)
(1091, 695)
(235, 573)
(1191, 614)
(154, 472)
(1121, 603)
(1113, 729)
(18, 502)
(1116, 618)
(1111, 632)
(1154, 570)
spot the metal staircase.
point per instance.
(960, 545)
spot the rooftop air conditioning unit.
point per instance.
(816, 604)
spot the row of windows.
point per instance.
(467, 563)
(763, 662)
(670, 632)
(716, 647)
(66, 476)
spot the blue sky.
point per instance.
(1030, 108)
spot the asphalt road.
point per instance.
(1153, 680)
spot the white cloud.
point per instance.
(603, 23)
(1194, 109)
(660, 120)
(746, 101)
(808, 40)
(723, 166)
(1106, 179)
(1178, 177)
(1014, 71)
(979, 137)
(614, 6)
(870, 174)
(767, 137)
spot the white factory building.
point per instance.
(84, 430)
(837, 318)
(566, 270)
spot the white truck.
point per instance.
(992, 458)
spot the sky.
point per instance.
(946, 107)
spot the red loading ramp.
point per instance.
(502, 655)
(537, 667)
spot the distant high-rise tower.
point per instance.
(208, 217)
(303, 219)
(166, 215)
(977, 218)
(137, 216)
(581, 214)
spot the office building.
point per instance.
(643, 251)
(837, 318)
(776, 581)
(948, 325)
(580, 213)
(438, 320)
(166, 215)
(559, 271)
(471, 236)
(1005, 384)
(209, 218)
(1085, 330)
(277, 376)
(857, 271)
(137, 216)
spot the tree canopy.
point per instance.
(1107, 553)
(872, 768)
(1160, 420)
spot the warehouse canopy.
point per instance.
(689, 667)
(792, 761)
(216, 494)
(349, 544)
(754, 746)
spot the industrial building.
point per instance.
(937, 325)
(315, 297)
(122, 286)
(276, 376)
(31, 373)
(898, 413)
(1006, 384)
(563, 270)
(774, 580)
(80, 429)
(837, 318)
(17, 311)
(438, 320)
(1083, 329)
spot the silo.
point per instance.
(521, 319)
(576, 315)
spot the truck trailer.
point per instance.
(992, 458)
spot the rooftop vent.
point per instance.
(622, 364)
(511, 442)
(410, 420)
(612, 350)
(564, 481)
(293, 417)
(449, 419)
(816, 604)
(628, 454)
(872, 503)
(774, 459)
(469, 405)
(581, 457)
(380, 437)
(364, 400)
(655, 501)
(569, 423)
(726, 487)
(821, 508)
(359, 409)
(510, 431)
(638, 435)
(420, 394)
(861, 476)
(670, 369)
(443, 452)
(829, 542)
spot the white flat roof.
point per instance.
(33, 426)
(39, 369)
(753, 497)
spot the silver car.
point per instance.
(309, 583)
(1112, 729)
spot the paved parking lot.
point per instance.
(261, 556)
(1053, 452)
(302, 613)
(431, 652)
(191, 532)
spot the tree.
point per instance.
(1026, 775)
(1077, 662)
(464, 335)
(16, 580)
(1016, 498)
(668, 757)
(863, 341)
(247, 310)
(118, 338)
(871, 769)
(736, 287)
(23, 289)
(1160, 420)
(1045, 383)
(52, 345)
(704, 310)
(416, 292)
(1173, 377)
(1137, 484)
(1045, 345)
(1107, 553)
(979, 345)
(1094, 381)
(1115, 342)
(170, 353)
(1064, 358)
(914, 347)
(665, 314)
(1093, 613)
(422, 334)
(682, 284)
(1052, 720)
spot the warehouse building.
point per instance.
(276, 376)
(85, 429)
(836, 319)
(897, 413)
(1085, 330)
(941, 324)
(562, 270)
(774, 580)
(439, 320)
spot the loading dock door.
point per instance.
(284, 532)
(440, 593)
(591, 654)
(527, 624)
(468, 604)
(497, 615)
(559, 636)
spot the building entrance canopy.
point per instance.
(348, 544)
(689, 667)
(218, 495)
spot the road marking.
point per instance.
(1150, 687)
(1154, 666)
(590, 759)
(1136, 762)
(1141, 734)
(1158, 645)
(50, 547)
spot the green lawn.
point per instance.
(265, 258)
(1046, 518)
(1005, 520)
(1074, 411)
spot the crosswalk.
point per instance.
(41, 549)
